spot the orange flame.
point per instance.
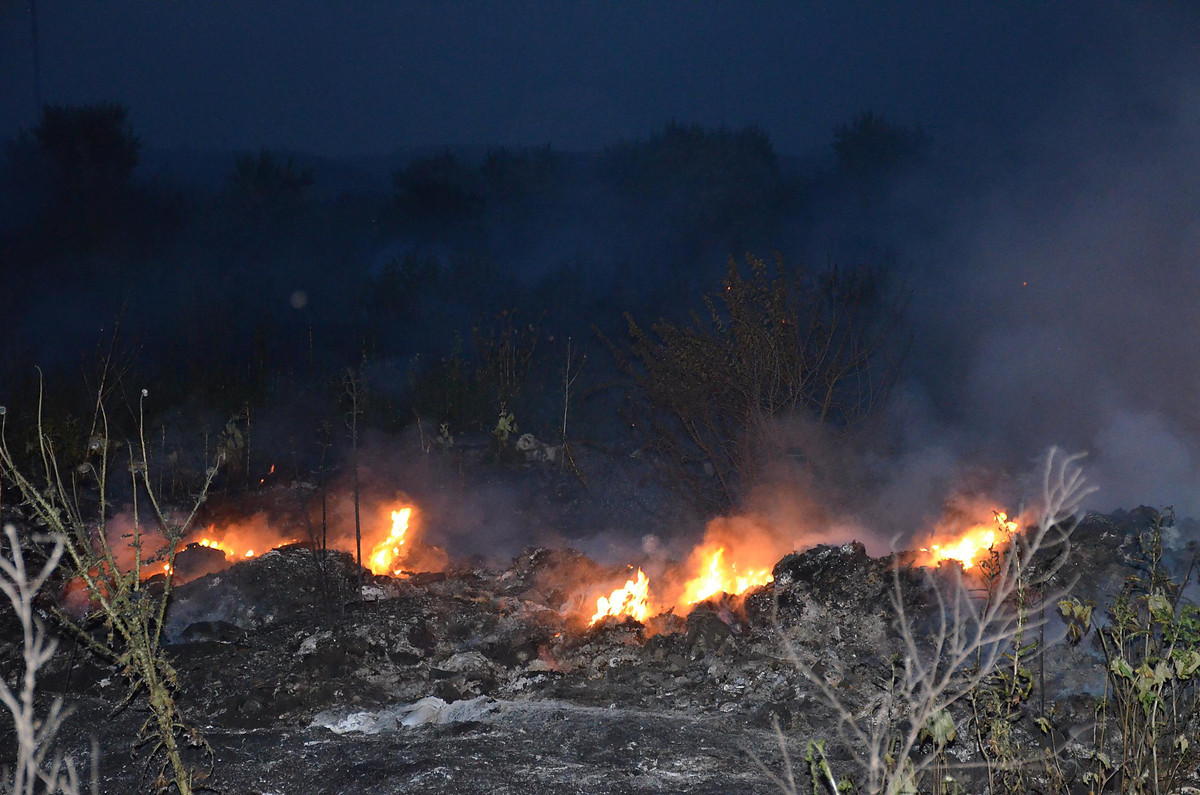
(231, 548)
(631, 600)
(208, 542)
(969, 547)
(386, 556)
(719, 577)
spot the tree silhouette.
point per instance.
(265, 177)
(437, 195)
(774, 342)
(92, 153)
(870, 147)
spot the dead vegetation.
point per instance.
(72, 505)
(772, 342)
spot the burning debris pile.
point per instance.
(551, 673)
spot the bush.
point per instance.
(73, 505)
(773, 343)
(1151, 709)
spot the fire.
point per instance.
(235, 542)
(631, 600)
(720, 577)
(387, 555)
(969, 547)
(230, 552)
(211, 544)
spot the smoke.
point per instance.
(1054, 300)
(1047, 242)
(122, 530)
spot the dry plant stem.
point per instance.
(35, 736)
(352, 392)
(569, 378)
(786, 783)
(134, 616)
(964, 648)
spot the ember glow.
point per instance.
(228, 550)
(719, 576)
(631, 600)
(969, 547)
(388, 554)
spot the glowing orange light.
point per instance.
(387, 555)
(721, 577)
(208, 542)
(969, 547)
(631, 600)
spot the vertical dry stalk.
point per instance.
(941, 666)
(571, 368)
(35, 736)
(353, 395)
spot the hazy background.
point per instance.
(1045, 237)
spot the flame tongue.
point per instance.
(225, 548)
(631, 600)
(719, 577)
(388, 553)
(970, 547)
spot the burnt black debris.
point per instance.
(491, 680)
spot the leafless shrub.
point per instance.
(896, 740)
(774, 342)
(35, 762)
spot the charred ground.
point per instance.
(489, 679)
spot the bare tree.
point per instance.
(773, 342)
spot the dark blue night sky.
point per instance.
(370, 77)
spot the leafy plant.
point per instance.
(1151, 645)
(998, 700)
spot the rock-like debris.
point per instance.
(306, 674)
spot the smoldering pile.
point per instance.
(497, 674)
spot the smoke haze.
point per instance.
(1046, 240)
